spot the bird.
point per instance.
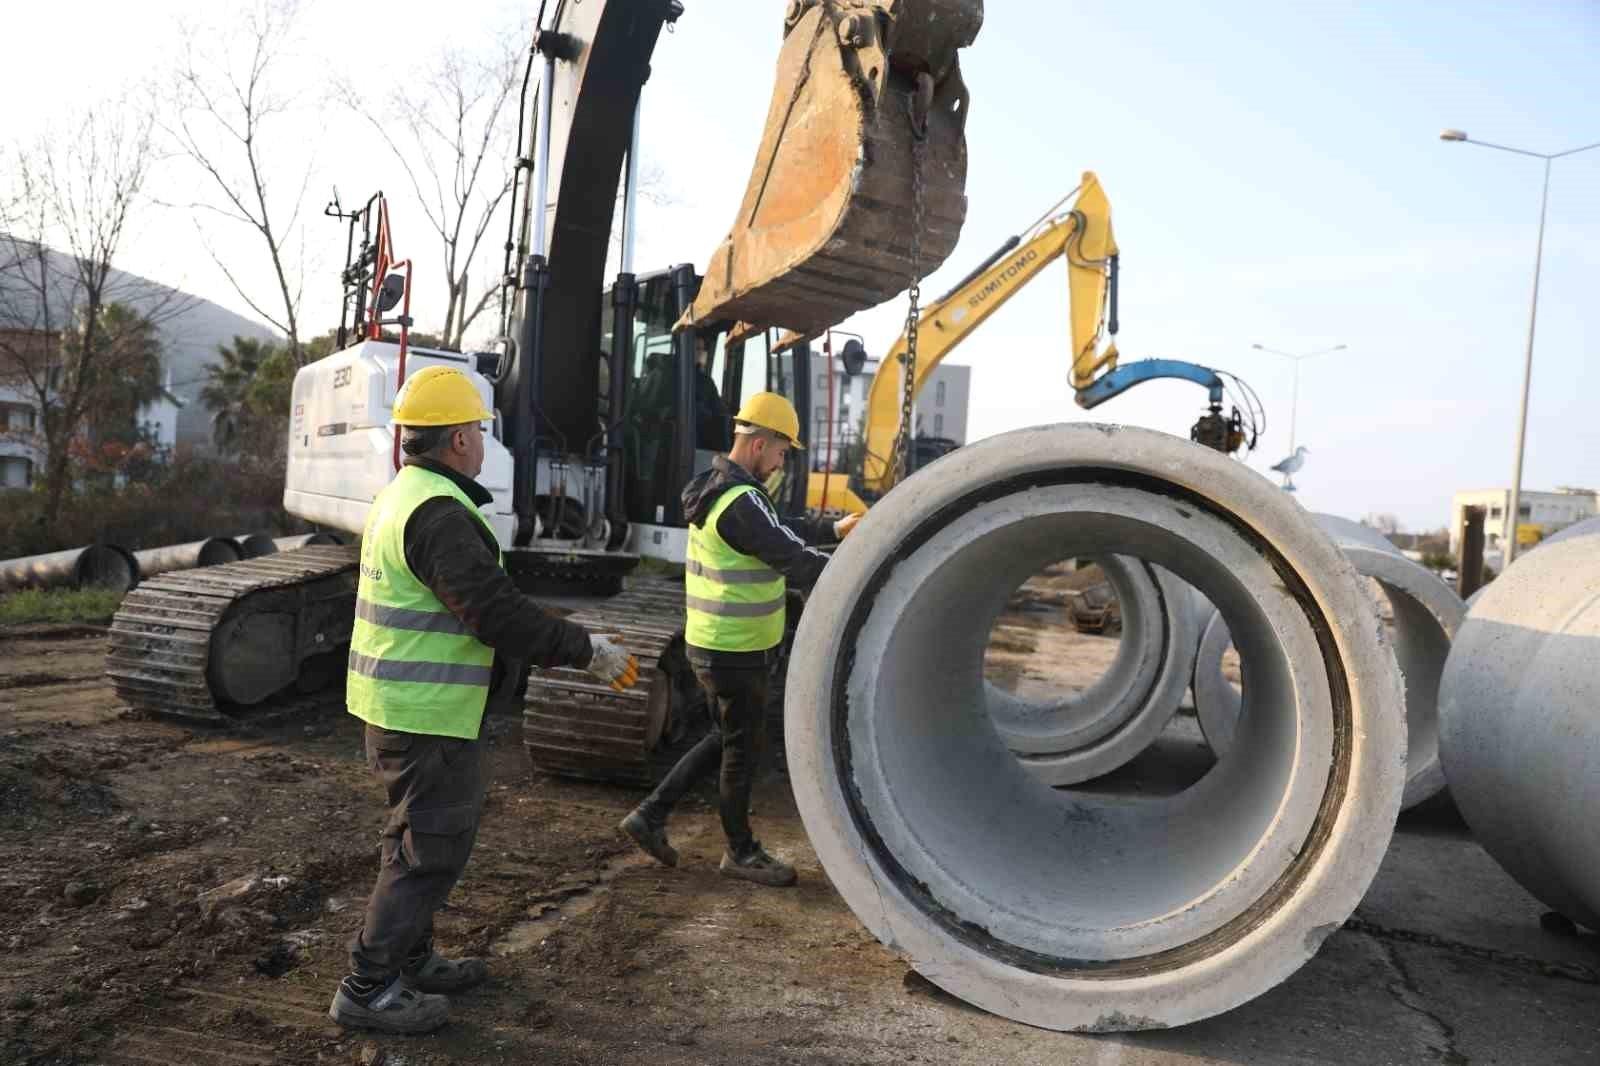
(1288, 466)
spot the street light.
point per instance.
(1533, 314)
(1295, 404)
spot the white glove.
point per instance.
(612, 663)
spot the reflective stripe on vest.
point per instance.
(732, 601)
(413, 666)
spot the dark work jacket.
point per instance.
(456, 556)
(751, 526)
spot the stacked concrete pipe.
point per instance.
(213, 551)
(1064, 742)
(94, 566)
(305, 540)
(1427, 614)
(1055, 907)
(1519, 734)
(255, 545)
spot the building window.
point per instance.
(822, 384)
(18, 418)
(16, 472)
(1522, 511)
(938, 423)
(938, 394)
(1494, 512)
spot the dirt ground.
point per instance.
(181, 895)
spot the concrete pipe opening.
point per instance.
(1076, 713)
(1061, 908)
(1425, 616)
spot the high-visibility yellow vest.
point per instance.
(413, 666)
(733, 601)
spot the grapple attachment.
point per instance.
(868, 94)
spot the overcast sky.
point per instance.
(1274, 170)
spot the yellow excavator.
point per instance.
(1078, 229)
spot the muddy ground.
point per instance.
(182, 895)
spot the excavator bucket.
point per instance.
(864, 144)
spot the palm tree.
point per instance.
(126, 377)
(227, 389)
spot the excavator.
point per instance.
(1078, 229)
(607, 398)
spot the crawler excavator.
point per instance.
(606, 399)
(1077, 229)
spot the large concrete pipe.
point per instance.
(255, 545)
(94, 566)
(1056, 907)
(305, 540)
(212, 551)
(1518, 732)
(1094, 732)
(1427, 613)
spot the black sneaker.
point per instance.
(758, 867)
(651, 838)
(393, 1008)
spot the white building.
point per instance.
(941, 407)
(1540, 514)
(19, 449)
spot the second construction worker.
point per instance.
(742, 558)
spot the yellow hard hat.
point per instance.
(769, 410)
(439, 396)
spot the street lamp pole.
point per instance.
(1294, 404)
(1514, 513)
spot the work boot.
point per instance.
(435, 973)
(395, 1007)
(651, 836)
(759, 867)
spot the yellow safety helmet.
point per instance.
(439, 396)
(769, 410)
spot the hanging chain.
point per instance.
(902, 457)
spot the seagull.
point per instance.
(1288, 466)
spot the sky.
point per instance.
(1275, 174)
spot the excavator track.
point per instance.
(247, 640)
(574, 726)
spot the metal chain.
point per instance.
(914, 293)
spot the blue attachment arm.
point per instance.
(1126, 377)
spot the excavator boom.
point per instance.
(864, 135)
(1081, 233)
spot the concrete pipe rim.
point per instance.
(106, 566)
(1293, 900)
(1065, 742)
(1428, 615)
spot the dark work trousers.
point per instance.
(436, 787)
(738, 697)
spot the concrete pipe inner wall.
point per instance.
(1081, 737)
(1059, 908)
(1519, 735)
(255, 545)
(93, 566)
(1427, 614)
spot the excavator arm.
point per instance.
(1082, 234)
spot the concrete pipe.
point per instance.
(1094, 732)
(255, 545)
(1060, 908)
(305, 540)
(1518, 732)
(94, 566)
(212, 551)
(1426, 615)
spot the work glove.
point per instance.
(612, 663)
(843, 526)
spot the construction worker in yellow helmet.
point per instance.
(742, 559)
(441, 633)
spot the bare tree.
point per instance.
(222, 107)
(1387, 524)
(451, 135)
(62, 226)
